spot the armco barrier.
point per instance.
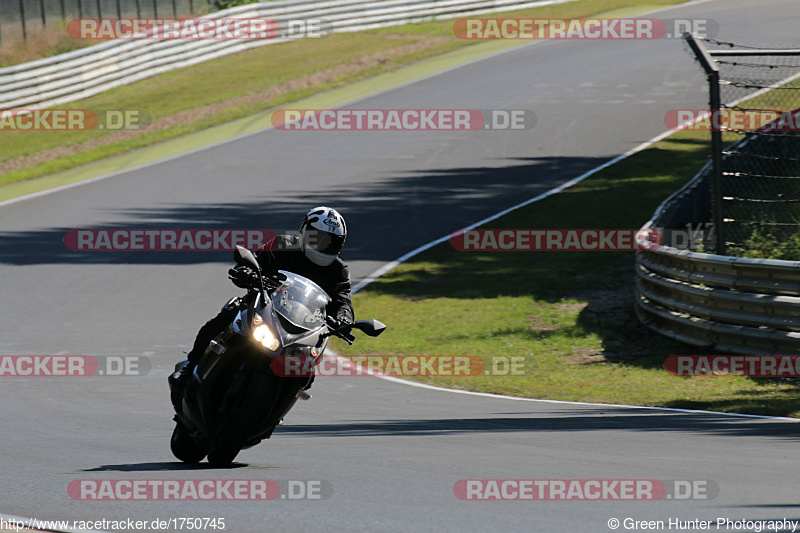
(732, 304)
(92, 70)
(735, 305)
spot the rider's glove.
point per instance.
(336, 323)
(275, 279)
(243, 277)
(342, 328)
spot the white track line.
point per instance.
(402, 259)
(393, 379)
(246, 135)
(389, 266)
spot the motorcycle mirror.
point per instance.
(371, 327)
(245, 257)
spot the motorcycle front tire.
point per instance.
(184, 446)
(231, 437)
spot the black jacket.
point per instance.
(285, 253)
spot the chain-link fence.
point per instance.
(756, 164)
(22, 18)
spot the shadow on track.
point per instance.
(434, 203)
(586, 420)
(155, 467)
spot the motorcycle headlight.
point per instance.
(266, 337)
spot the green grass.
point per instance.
(569, 314)
(209, 83)
(764, 243)
(270, 68)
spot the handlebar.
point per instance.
(343, 331)
(270, 283)
(347, 337)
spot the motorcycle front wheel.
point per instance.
(261, 395)
(184, 446)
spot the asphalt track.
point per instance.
(389, 454)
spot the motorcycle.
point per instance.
(234, 399)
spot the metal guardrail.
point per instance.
(19, 17)
(732, 304)
(83, 73)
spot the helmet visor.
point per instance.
(323, 242)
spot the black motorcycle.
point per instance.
(234, 399)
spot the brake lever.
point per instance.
(269, 283)
(347, 337)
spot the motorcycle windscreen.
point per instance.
(300, 301)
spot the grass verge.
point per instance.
(568, 314)
(195, 98)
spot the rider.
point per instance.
(313, 254)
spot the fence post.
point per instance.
(716, 161)
(712, 72)
(99, 10)
(138, 10)
(44, 13)
(63, 10)
(22, 18)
